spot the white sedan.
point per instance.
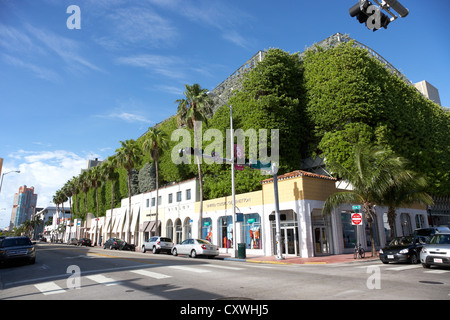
(196, 247)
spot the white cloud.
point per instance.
(46, 171)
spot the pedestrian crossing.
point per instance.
(54, 288)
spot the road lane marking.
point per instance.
(48, 288)
(99, 278)
(190, 269)
(151, 274)
(222, 267)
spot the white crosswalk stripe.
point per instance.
(99, 278)
(151, 274)
(48, 288)
(190, 269)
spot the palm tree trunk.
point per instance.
(157, 186)
(200, 217)
(129, 206)
(112, 208)
(391, 220)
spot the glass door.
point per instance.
(321, 246)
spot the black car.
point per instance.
(118, 244)
(84, 242)
(17, 248)
(403, 249)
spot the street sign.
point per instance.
(356, 208)
(261, 165)
(356, 219)
(238, 154)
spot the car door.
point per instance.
(184, 247)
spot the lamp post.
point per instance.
(233, 193)
(1, 183)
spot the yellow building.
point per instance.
(305, 231)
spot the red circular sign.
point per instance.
(356, 218)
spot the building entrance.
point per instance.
(289, 233)
(321, 244)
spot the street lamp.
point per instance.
(233, 193)
(1, 183)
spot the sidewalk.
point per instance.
(329, 259)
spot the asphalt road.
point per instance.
(78, 273)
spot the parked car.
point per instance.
(158, 244)
(403, 249)
(196, 247)
(72, 241)
(431, 231)
(437, 252)
(84, 242)
(17, 248)
(118, 244)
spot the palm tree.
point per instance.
(155, 141)
(195, 107)
(95, 176)
(374, 172)
(109, 172)
(410, 191)
(84, 186)
(128, 157)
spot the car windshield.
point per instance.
(401, 241)
(15, 242)
(440, 239)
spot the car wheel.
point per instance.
(32, 261)
(426, 266)
(174, 252)
(143, 249)
(110, 247)
(193, 254)
(413, 259)
(155, 251)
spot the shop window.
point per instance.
(207, 232)
(252, 231)
(226, 232)
(420, 221)
(348, 230)
(405, 220)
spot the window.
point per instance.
(153, 201)
(226, 232)
(159, 200)
(179, 196)
(170, 197)
(207, 229)
(147, 203)
(252, 231)
(188, 194)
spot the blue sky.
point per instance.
(67, 95)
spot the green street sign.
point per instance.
(261, 165)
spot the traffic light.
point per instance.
(371, 15)
(359, 11)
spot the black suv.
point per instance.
(17, 248)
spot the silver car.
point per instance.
(158, 244)
(437, 252)
(196, 247)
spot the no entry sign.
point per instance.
(356, 219)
